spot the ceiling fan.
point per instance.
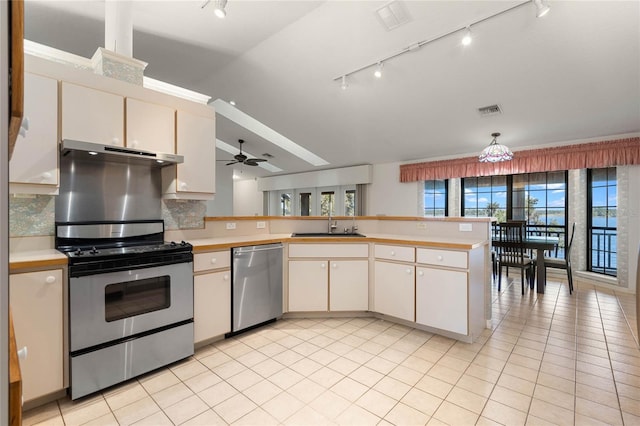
(243, 159)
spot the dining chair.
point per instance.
(511, 253)
(554, 262)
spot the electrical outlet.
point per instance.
(231, 225)
(465, 227)
(261, 225)
(422, 225)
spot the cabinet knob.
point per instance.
(409, 271)
(225, 277)
(135, 144)
(50, 279)
(322, 265)
(22, 353)
(420, 273)
(183, 185)
(440, 258)
(393, 253)
(334, 265)
(115, 141)
(46, 175)
(213, 260)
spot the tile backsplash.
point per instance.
(33, 215)
(183, 214)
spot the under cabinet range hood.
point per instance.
(98, 152)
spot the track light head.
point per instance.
(378, 72)
(344, 84)
(219, 10)
(466, 39)
(543, 9)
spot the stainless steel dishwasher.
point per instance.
(256, 290)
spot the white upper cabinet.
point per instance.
(33, 167)
(150, 127)
(91, 115)
(196, 141)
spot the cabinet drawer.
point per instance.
(328, 250)
(400, 253)
(212, 260)
(452, 259)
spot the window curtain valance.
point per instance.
(581, 156)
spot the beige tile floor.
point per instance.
(549, 359)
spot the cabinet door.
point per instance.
(394, 292)
(211, 305)
(196, 141)
(37, 308)
(308, 285)
(91, 115)
(349, 285)
(441, 299)
(150, 127)
(35, 158)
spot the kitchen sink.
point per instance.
(325, 234)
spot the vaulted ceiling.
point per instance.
(571, 75)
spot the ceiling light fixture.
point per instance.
(378, 71)
(495, 152)
(542, 10)
(466, 39)
(344, 84)
(232, 103)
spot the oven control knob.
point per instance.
(183, 243)
(172, 244)
(78, 252)
(93, 250)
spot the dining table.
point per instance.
(540, 244)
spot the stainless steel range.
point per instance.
(130, 300)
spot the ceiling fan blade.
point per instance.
(250, 163)
(233, 162)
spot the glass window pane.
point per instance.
(599, 197)
(285, 204)
(305, 204)
(327, 203)
(350, 202)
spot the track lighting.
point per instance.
(219, 9)
(378, 72)
(466, 39)
(344, 84)
(495, 152)
(543, 9)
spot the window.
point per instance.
(540, 199)
(327, 203)
(350, 202)
(436, 198)
(305, 203)
(602, 221)
(285, 204)
(485, 197)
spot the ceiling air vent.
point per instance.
(490, 110)
(393, 14)
(267, 155)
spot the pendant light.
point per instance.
(495, 152)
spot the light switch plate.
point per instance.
(422, 225)
(231, 225)
(261, 225)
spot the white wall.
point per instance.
(222, 204)
(387, 196)
(247, 200)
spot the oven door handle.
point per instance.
(243, 251)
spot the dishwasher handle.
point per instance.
(253, 249)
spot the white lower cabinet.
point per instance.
(36, 300)
(308, 285)
(394, 290)
(441, 299)
(211, 305)
(211, 295)
(349, 285)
